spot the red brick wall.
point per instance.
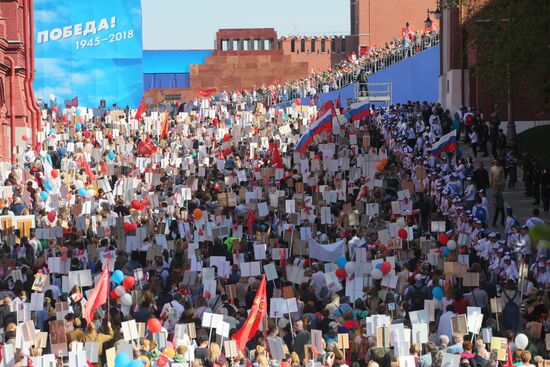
(384, 19)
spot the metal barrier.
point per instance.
(375, 92)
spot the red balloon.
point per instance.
(55, 173)
(385, 267)
(141, 206)
(128, 283)
(227, 137)
(136, 204)
(443, 239)
(340, 273)
(126, 227)
(51, 217)
(402, 233)
(114, 295)
(154, 325)
(24, 137)
(298, 101)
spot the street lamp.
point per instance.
(437, 14)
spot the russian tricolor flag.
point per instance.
(447, 143)
(324, 123)
(360, 110)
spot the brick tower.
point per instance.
(19, 113)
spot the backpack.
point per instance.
(510, 313)
(417, 298)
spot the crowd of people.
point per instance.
(351, 70)
(226, 240)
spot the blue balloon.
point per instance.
(44, 195)
(122, 359)
(111, 155)
(341, 262)
(52, 131)
(136, 363)
(82, 191)
(48, 185)
(228, 122)
(445, 251)
(378, 266)
(437, 292)
(78, 126)
(117, 277)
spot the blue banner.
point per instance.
(89, 49)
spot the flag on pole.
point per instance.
(276, 160)
(447, 143)
(360, 110)
(141, 109)
(252, 323)
(323, 124)
(83, 163)
(99, 295)
(164, 128)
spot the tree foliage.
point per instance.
(512, 38)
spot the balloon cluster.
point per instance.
(138, 205)
(449, 244)
(380, 270)
(123, 284)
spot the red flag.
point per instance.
(252, 323)
(276, 160)
(99, 295)
(328, 106)
(204, 93)
(339, 102)
(146, 148)
(250, 221)
(83, 163)
(164, 128)
(141, 109)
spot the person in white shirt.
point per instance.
(176, 305)
(469, 194)
(534, 220)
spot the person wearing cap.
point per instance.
(543, 275)
(77, 334)
(509, 268)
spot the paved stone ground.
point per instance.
(522, 206)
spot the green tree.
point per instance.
(511, 39)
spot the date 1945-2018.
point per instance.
(111, 38)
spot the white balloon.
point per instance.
(120, 291)
(376, 274)
(401, 223)
(521, 341)
(78, 184)
(126, 299)
(350, 268)
(452, 245)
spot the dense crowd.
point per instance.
(365, 232)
